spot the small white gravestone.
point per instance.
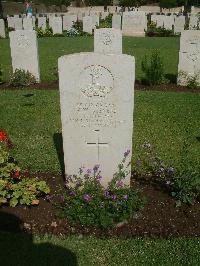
(88, 25)
(27, 24)
(68, 21)
(134, 23)
(193, 23)
(189, 56)
(33, 21)
(116, 21)
(42, 22)
(18, 23)
(97, 98)
(11, 23)
(108, 41)
(168, 22)
(179, 24)
(95, 19)
(57, 25)
(2, 29)
(24, 52)
(104, 15)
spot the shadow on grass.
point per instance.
(58, 142)
(18, 249)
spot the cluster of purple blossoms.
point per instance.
(126, 153)
(48, 197)
(120, 183)
(87, 197)
(72, 193)
(96, 168)
(125, 197)
(98, 178)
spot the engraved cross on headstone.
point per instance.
(98, 145)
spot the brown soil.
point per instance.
(54, 86)
(160, 216)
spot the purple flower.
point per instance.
(96, 167)
(125, 197)
(89, 171)
(81, 170)
(114, 197)
(72, 193)
(62, 197)
(98, 178)
(120, 183)
(87, 197)
(48, 197)
(78, 184)
(106, 194)
(126, 153)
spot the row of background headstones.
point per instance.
(24, 45)
(130, 22)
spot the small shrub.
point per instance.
(184, 184)
(22, 78)
(107, 22)
(44, 33)
(153, 31)
(153, 69)
(86, 202)
(15, 189)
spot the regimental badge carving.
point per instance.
(23, 41)
(106, 38)
(96, 81)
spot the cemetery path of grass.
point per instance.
(169, 121)
(84, 251)
(50, 49)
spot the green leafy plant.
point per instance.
(107, 22)
(22, 78)
(14, 189)
(86, 202)
(44, 33)
(153, 31)
(153, 69)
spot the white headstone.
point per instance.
(11, 22)
(168, 22)
(134, 23)
(27, 24)
(193, 23)
(116, 21)
(189, 56)
(97, 98)
(179, 24)
(108, 41)
(2, 29)
(104, 15)
(18, 23)
(88, 24)
(24, 51)
(57, 25)
(68, 21)
(42, 22)
(95, 19)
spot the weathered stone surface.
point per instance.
(116, 21)
(168, 22)
(179, 24)
(2, 29)
(27, 24)
(68, 21)
(189, 56)
(17, 23)
(134, 23)
(42, 22)
(88, 25)
(97, 97)
(193, 24)
(57, 25)
(24, 51)
(108, 41)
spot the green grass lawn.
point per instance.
(50, 49)
(70, 251)
(166, 120)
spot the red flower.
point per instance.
(17, 174)
(3, 135)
